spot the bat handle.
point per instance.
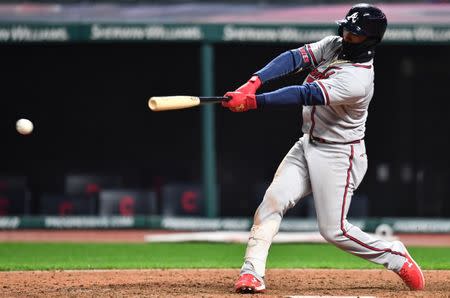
(213, 99)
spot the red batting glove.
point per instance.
(240, 102)
(251, 86)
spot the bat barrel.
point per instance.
(165, 103)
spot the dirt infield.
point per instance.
(214, 283)
(203, 282)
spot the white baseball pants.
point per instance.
(332, 172)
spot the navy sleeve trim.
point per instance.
(307, 94)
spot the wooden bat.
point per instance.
(165, 103)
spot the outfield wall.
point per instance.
(383, 226)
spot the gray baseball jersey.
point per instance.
(347, 88)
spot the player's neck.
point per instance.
(358, 52)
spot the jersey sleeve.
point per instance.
(318, 51)
(299, 58)
(296, 95)
(286, 63)
(345, 88)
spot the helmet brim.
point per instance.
(344, 23)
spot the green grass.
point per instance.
(54, 256)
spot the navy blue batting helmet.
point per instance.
(364, 19)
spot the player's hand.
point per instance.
(251, 86)
(240, 102)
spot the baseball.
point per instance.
(24, 126)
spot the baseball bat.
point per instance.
(165, 103)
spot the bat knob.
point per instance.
(152, 104)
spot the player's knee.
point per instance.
(331, 234)
(276, 199)
(272, 202)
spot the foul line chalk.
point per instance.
(330, 296)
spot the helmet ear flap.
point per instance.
(341, 31)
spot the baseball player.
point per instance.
(330, 158)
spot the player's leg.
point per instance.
(335, 172)
(290, 184)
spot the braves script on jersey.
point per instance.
(347, 88)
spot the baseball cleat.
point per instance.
(248, 283)
(411, 274)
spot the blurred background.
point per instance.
(82, 72)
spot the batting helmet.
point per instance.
(364, 19)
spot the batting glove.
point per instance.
(251, 86)
(240, 102)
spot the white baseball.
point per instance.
(24, 126)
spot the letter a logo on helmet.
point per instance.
(353, 17)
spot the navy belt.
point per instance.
(323, 141)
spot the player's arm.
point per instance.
(296, 59)
(286, 63)
(307, 94)
(345, 88)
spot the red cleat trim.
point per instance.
(411, 274)
(247, 283)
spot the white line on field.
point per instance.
(331, 296)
